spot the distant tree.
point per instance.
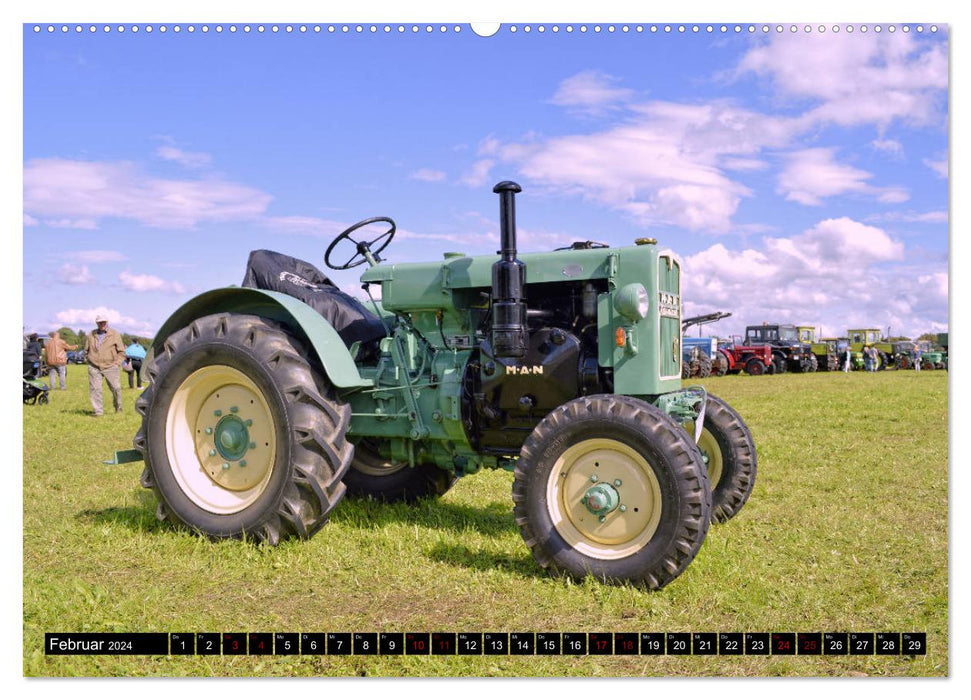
(67, 335)
(82, 337)
(126, 339)
(928, 336)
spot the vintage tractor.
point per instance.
(270, 401)
(861, 337)
(701, 353)
(788, 353)
(824, 351)
(754, 360)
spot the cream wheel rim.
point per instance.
(622, 470)
(220, 438)
(711, 453)
(368, 461)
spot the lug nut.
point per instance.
(242, 462)
(623, 509)
(249, 421)
(208, 431)
(602, 518)
(234, 409)
(617, 482)
(212, 453)
(217, 413)
(225, 465)
(252, 445)
(594, 478)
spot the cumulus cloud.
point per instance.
(856, 78)
(329, 229)
(149, 283)
(75, 274)
(927, 217)
(938, 166)
(79, 318)
(812, 174)
(833, 273)
(891, 147)
(590, 91)
(29, 220)
(478, 174)
(428, 175)
(74, 190)
(187, 159)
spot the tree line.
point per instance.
(78, 337)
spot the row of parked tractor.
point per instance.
(778, 348)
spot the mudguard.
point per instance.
(319, 334)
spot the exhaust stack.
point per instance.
(508, 281)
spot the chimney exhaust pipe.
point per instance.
(508, 281)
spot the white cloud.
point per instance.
(29, 220)
(187, 159)
(590, 91)
(428, 175)
(856, 78)
(97, 256)
(88, 190)
(812, 174)
(328, 229)
(149, 283)
(478, 174)
(75, 274)
(938, 166)
(929, 217)
(891, 147)
(85, 224)
(80, 318)
(840, 272)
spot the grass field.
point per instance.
(847, 530)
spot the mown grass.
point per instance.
(846, 530)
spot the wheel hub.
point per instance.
(232, 438)
(604, 498)
(601, 499)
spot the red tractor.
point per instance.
(754, 359)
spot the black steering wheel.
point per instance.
(365, 249)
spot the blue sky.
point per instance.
(801, 177)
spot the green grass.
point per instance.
(846, 530)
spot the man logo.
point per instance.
(534, 369)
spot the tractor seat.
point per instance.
(267, 269)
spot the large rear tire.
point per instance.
(755, 367)
(729, 452)
(241, 435)
(373, 476)
(612, 487)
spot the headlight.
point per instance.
(632, 302)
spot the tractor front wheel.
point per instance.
(241, 434)
(612, 487)
(729, 453)
(780, 364)
(374, 476)
(755, 367)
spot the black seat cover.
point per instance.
(267, 269)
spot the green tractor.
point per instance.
(267, 406)
(862, 337)
(824, 352)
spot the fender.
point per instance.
(315, 330)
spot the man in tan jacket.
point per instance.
(55, 350)
(105, 352)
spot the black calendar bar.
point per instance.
(876, 644)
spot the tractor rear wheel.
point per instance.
(755, 367)
(813, 363)
(729, 452)
(704, 365)
(780, 364)
(374, 476)
(612, 487)
(241, 434)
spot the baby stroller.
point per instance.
(35, 391)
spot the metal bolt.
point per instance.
(225, 465)
(617, 482)
(242, 462)
(249, 421)
(623, 509)
(212, 453)
(594, 477)
(252, 445)
(208, 431)
(217, 413)
(602, 518)
(234, 409)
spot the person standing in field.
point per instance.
(848, 359)
(55, 350)
(135, 355)
(105, 352)
(918, 354)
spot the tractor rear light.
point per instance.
(621, 337)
